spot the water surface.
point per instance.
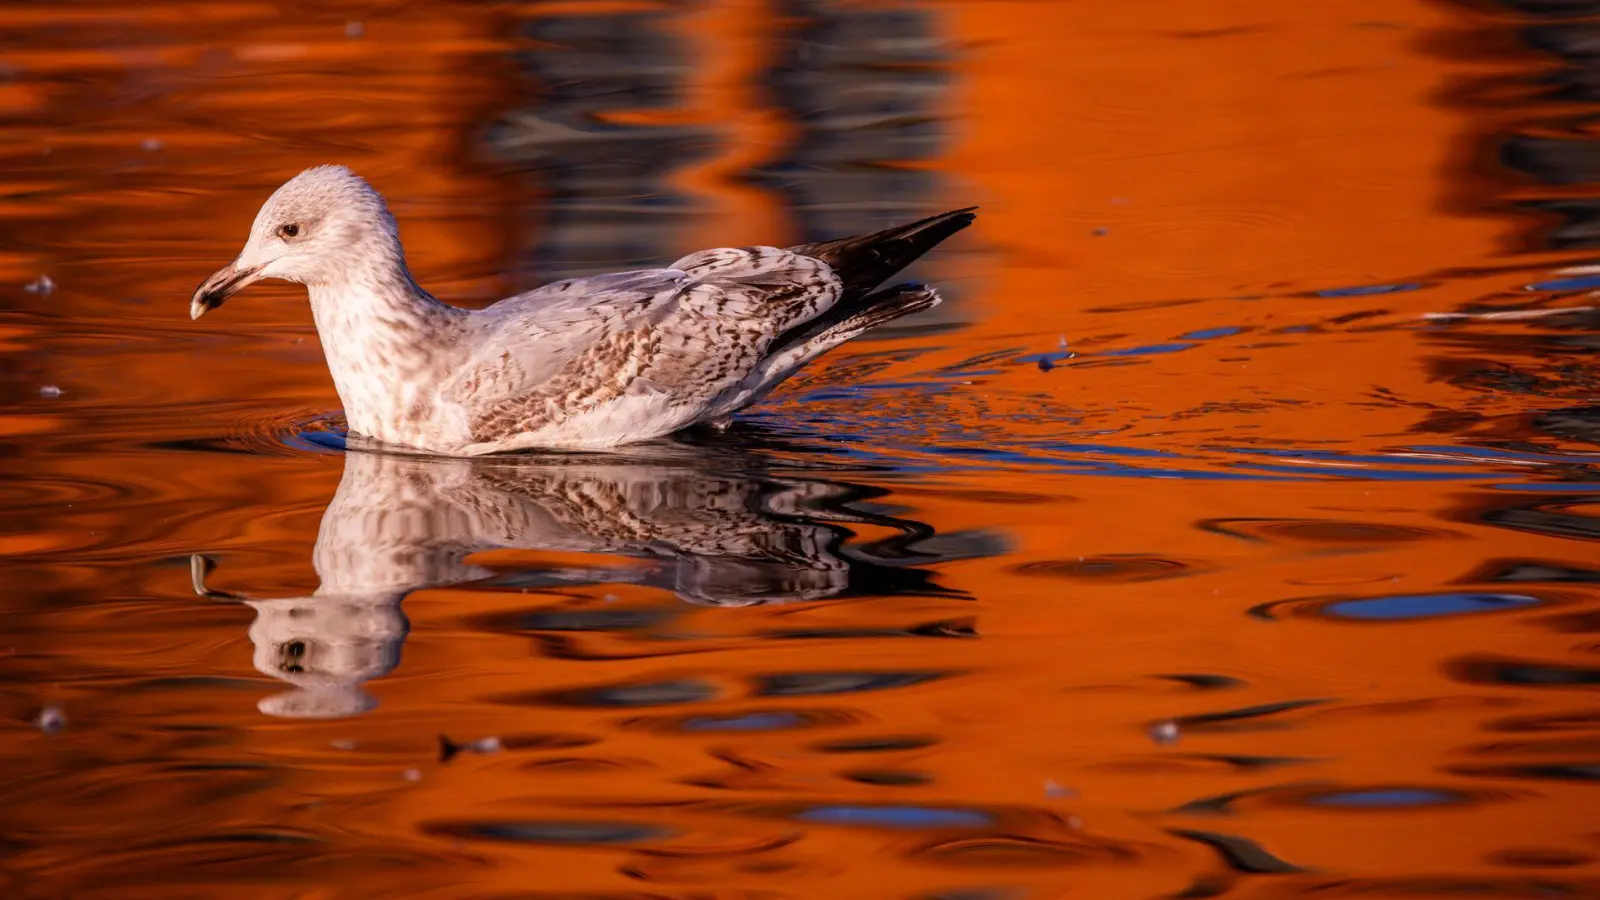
(1231, 531)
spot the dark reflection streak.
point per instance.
(1118, 568)
(739, 762)
(1200, 720)
(576, 620)
(1570, 772)
(1546, 517)
(657, 693)
(1206, 682)
(554, 832)
(808, 683)
(889, 778)
(766, 846)
(1211, 806)
(1524, 570)
(1252, 763)
(571, 648)
(1241, 854)
(951, 628)
(877, 745)
(609, 199)
(1521, 673)
(1222, 804)
(1318, 531)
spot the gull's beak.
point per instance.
(219, 287)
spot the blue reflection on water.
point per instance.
(897, 816)
(1206, 334)
(1425, 606)
(1389, 797)
(1149, 349)
(1580, 283)
(753, 722)
(1369, 290)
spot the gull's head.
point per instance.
(319, 227)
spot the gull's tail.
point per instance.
(862, 263)
(866, 261)
(806, 342)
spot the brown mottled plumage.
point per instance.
(587, 363)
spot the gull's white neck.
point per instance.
(389, 344)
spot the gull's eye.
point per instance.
(289, 230)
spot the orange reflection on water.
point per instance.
(1256, 587)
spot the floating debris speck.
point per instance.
(50, 392)
(151, 145)
(448, 749)
(43, 286)
(51, 720)
(412, 774)
(1164, 733)
(1052, 789)
(354, 29)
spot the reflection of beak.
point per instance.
(219, 287)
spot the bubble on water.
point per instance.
(354, 29)
(1075, 823)
(412, 774)
(1164, 733)
(343, 744)
(51, 720)
(151, 145)
(50, 392)
(43, 286)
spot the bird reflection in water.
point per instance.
(717, 527)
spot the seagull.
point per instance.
(583, 364)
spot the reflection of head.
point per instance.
(327, 647)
